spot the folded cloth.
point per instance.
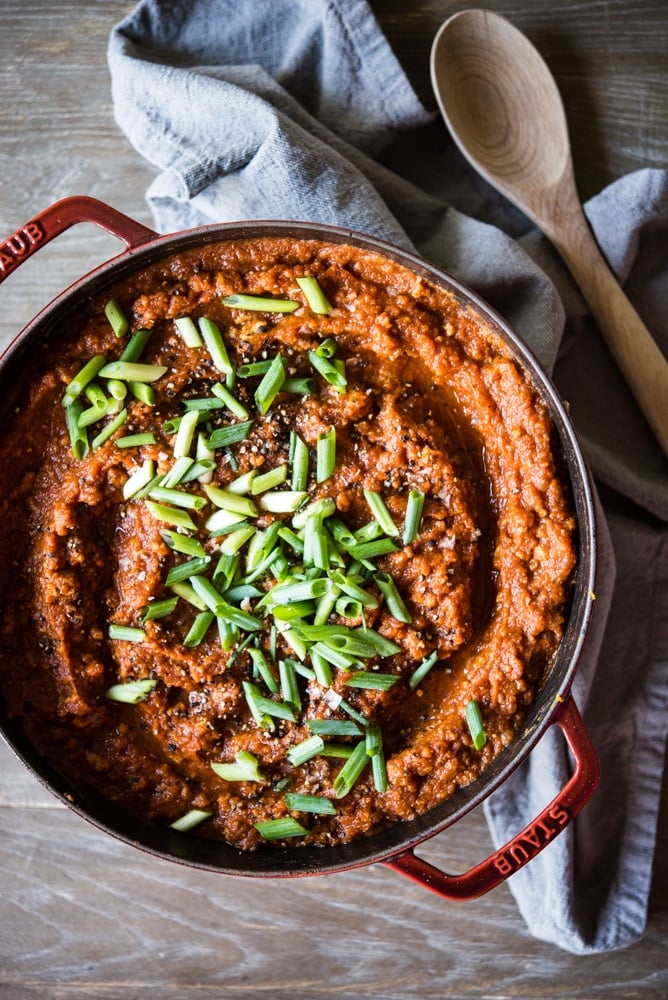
(251, 109)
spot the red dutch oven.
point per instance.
(554, 705)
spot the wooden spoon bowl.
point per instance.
(503, 108)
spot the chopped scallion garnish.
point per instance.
(314, 295)
(131, 692)
(190, 820)
(270, 385)
(132, 371)
(475, 724)
(371, 681)
(260, 303)
(318, 804)
(325, 455)
(126, 633)
(213, 339)
(117, 319)
(279, 829)
(421, 672)
(351, 770)
(189, 332)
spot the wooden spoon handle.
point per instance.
(631, 344)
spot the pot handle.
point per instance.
(533, 838)
(60, 216)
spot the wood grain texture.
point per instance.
(85, 916)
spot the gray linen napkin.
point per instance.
(299, 110)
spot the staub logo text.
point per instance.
(531, 841)
(19, 246)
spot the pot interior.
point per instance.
(216, 855)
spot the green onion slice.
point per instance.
(117, 319)
(380, 512)
(132, 371)
(245, 768)
(221, 437)
(371, 681)
(270, 386)
(317, 804)
(89, 371)
(135, 440)
(198, 629)
(279, 829)
(171, 515)
(126, 633)
(393, 599)
(191, 819)
(308, 748)
(215, 345)
(475, 724)
(421, 672)
(314, 295)
(325, 455)
(77, 434)
(134, 348)
(413, 517)
(351, 770)
(159, 609)
(131, 692)
(329, 371)
(260, 303)
(189, 332)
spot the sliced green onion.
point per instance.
(131, 692)
(189, 332)
(283, 501)
(186, 591)
(287, 676)
(117, 390)
(300, 386)
(109, 429)
(139, 479)
(191, 819)
(421, 672)
(198, 629)
(132, 371)
(237, 539)
(134, 348)
(326, 349)
(349, 587)
(475, 724)
(77, 385)
(230, 401)
(261, 706)
(325, 455)
(183, 571)
(319, 509)
(183, 543)
(260, 303)
(351, 770)
(371, 681)
(234, 503)
(380, 512)
(333, 727)
(370, 550)
(253, 368)
(280, 829)
(268, 480)
(177, 472)
(413, 517)
(171, 515)
(77, 434)
(318, 804)
(96, 397)
(213, 340)
(329, 371)
(144, 393)
(159, 609)
(308, 748)
(353, 713)
(303, 590)
(245, 768)
(393, 599)
(185, 434)
(314, 295)
(135, 440)
(270, 386)
(231, 434)
(126, 633)
(189, 501)
(299, 463)
(374, 749)
(322, 669)
(117, 320)
(262, 669)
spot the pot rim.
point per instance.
(403, 836)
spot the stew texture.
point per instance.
(331, 543)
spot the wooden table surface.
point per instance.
(84, 916)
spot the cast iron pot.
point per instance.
(554, 705)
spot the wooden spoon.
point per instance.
(502, 106)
